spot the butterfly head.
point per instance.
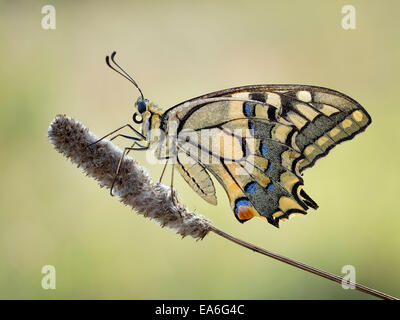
(145, 108)
(141, 105)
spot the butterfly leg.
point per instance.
(126, 137)
(172, 186)
(163, 171)
(124, 153)
(141, 137)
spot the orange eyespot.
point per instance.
(246, 213)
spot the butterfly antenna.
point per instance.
(123, 73)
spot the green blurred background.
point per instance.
(50, 213)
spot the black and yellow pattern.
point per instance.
(291, 127)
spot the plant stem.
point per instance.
(300, 265)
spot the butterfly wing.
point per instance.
(196, 176)
(290, 127)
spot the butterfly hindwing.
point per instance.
(196, 176)
(252, 193)
(255, 179)
(268, 165)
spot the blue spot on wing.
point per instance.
(246, 109)
(251, 187)
(241, 202)
(251, 125)
(263, 149)
(269, 168)
(270, 187)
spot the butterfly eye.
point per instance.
(141, 106)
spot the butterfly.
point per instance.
(270, 135)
